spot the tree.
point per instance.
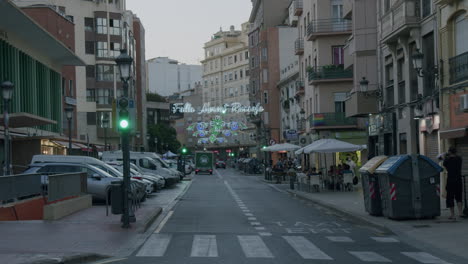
(166, 135)
(154, 97)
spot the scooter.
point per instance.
(465, 210)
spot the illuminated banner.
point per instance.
(236, 108)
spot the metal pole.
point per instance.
(69, 137)
(105, 139)
(127, 214)
(6, 168)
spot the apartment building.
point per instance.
(226, 81)
(167, 76)
(102, 28)
(453, 58)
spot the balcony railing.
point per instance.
(299, 46)
(329, 72)
(458, 67)
(402, 16)
(337, 119)
(298, 7)
(328, 26)
(300, 88)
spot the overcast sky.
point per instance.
(179, 28)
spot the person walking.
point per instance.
(453, 165)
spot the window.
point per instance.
(89, 47)
(235, 58)
(246, 88)
(114, 27)
(264, 54)
(386, 6)
(426, 8)
(70, 88)
(230, 76)
(89, 24)
(70, 18)
(246, 55)
(230, 60)
(90, 95)
(90, 71)
(91, 118)
(105, 72)
(101, 25)
(235, 75)
(114, 51)
(461, 34)
(241, 73)
(102, 50)
(247, 72)
(338, 55)
(252, 62)
(104, 96)
(340, 99)
(265, 76)
(265, 97)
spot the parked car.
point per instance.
(156, 180)
(220, 164)
(99, 182)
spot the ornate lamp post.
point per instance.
(7, 94)
(69, 115)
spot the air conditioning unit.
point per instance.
(304, 140)
(464, 103)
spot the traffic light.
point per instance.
(264, 147)
(184, 150)
(123, 118)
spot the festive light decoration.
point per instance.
(215, 131)
(236, 108)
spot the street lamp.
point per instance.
(418, 62)
(105, 125)
(7, 94)
(69, 115)
(124, 62)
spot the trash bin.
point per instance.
(370, 185)
(410, 187)
(116, 197)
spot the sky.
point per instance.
(178, 29)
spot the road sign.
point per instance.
(272, 142)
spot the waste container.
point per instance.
(370, 185)
(116, 197)
(410, 187)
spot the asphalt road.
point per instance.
(232, 218)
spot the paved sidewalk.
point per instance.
(88, 234)
(440, 233)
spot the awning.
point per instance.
(17, 120)
(65, 144)
(453, 133)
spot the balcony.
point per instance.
(300, 88)
(299, 46)
(403, 17)
(361, 104)
(331, 120)
(330, 73)
(348, 9)
(298, 7)
(458, 68)
(328, 27)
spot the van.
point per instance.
(146, 163)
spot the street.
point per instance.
(232, 218)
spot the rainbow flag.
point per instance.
(319, 119)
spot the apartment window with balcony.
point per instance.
(105, 96)
(90, 95)
(389, 94)
(89, 24)
(265, 75)
(114, 51)
(401, 81)
(89, 47)
(101, 25)
(114, 27)
(337, 9)
(102, 50)
(338, 55)
(340, 99)
(230, 76)
(461, 34)
(105, 72)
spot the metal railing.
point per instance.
(330, 72)
(299, 46)
(20, 186)
(458, 67)
(331, 120)
(61, 186)
(333, 25)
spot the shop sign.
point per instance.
(291, 134)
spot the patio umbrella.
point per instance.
(281, 147)
(169, 154)
(330, 145)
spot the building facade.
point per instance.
(167, 77)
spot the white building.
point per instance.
(167, 76)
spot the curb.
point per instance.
(74, 259)
(150, 220)
(343, 211)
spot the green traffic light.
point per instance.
(184, 150)
(264, 147)
(123, 124)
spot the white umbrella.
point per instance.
(281, 147)
(169, 154)
(332, 146)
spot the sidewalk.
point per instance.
(440, 233)
(88, 234)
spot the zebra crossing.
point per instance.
(256, 246)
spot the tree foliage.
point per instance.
(167, 137)
(154, 97)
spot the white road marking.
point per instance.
(243, 207)
(369, 256)
(265, 233)
(155, 246)
(259, 228)
(340, 239)
(423, 257)
(305, 248)
(255, 223)
(164, 221)
(386, 239)
(204, 246)
(248, 214)
(246, 211)
(254, 247)
(252, 218)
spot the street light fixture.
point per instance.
(105, 125)
(124, 62)
(69, 115)
(418, 62)
(7, 94)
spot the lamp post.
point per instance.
(7, 93)
(155, 144)
(105, 125)
(124, 62)
(69, 114)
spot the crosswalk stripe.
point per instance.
(423, 257)
(305, 248)
(155, 246)
(385, 239)
(254, 247)
(204, 246)
(369, 256)
(340, 239)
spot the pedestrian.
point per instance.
(453, 165)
